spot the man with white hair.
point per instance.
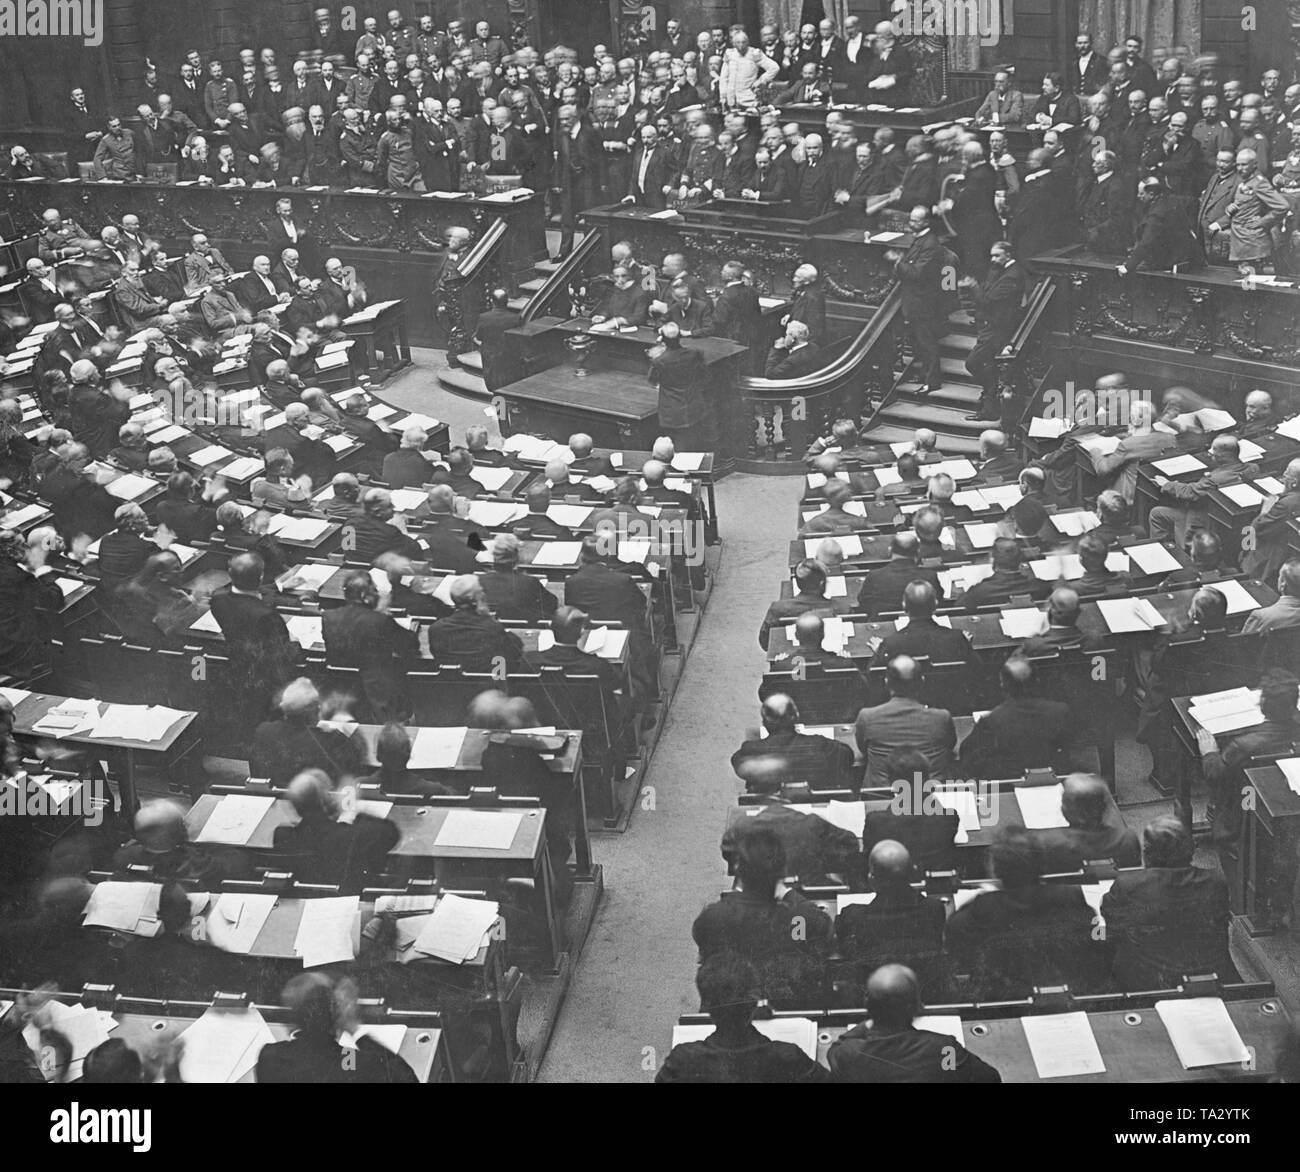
(1270, 531)
(998, 464)
(408, 467)
(1141, 443)
(470, 636)
(813, 182)
(1260, 417)
(889, 73)
(511, 593)
(792, 355)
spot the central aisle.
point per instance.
(636, 973)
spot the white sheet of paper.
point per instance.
(305, 630)
(234, 819)
(557, 553)
(1099, 445)
(1179, 465)
(222, 1045)
(854, 899)
(1062, 1044)
(1290, 767)
(570, 516)
(1040, 806)
(121, 905)
(327, 930)
(209, 455)
(1048, 428)
(1243, 495)
(982, 536)
(962, 803)
(479, 829)
(1202, 1032)
(495, 514)
(1240, 600)
(1094, 893)
(1023, 622)
(235, 921)
(941, 1023)
(15, 696)
(1075, 523)
(455, 930)
(850, 816)
(942, 620)
(129, 486)
(798, 1031)
(390, 1037)
(1124, 615)
(1152, 559)
(308, 576)
(436, 748)
(491, 478)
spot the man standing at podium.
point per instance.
(889, 71)
(679, 374)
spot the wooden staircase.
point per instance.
(943, 411)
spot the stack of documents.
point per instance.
(454, 931)
(1048, 428)
(496, 514)
(1023, 623)
(1202, 1032)
(125, 907)
(329, 930)
(1228, 711)
(84, 1028)
(222, 1046)
(289, 528)
(68, 718)
(135, 722)
(1075, 523)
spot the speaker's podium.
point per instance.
(590, 379)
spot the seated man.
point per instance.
(903, 721)
(568, 625)
(1003, 105)
(470, 636)
(329, 849)
(478, 444)
(625, 302)
(809, 632)
(735, 1052)
(584, 461)
(998, 464)
(283, 748)
(882, 589)
(815, 851)
(792, 354)
(408, 467)
(888, 1048)
(323, 1011)
(786, 940)
(538, 523)
(1284, 614)
(821, 762)
(1027, 933)
(923, 636)
(512, 593)
(1025, 731)
(1097, 578)
(374, 533)
(1096, 829)
(1207, 564)
(928, 833)
(835, 518)
(899, 926)
(1063, 631)
(393, 752)
(361, 634)
(1169, 920)
(810, 595)
(1113, 513)
(1010, 578)
(162, 843)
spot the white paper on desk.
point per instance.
(380, 411)
(941, 1023)
(798, 1031)
(973, 499)
(687, 461)
(209, 455)
(1271, 484)
(1099, 445)
(1094, 893)
(436, 748)
(167, 433)
(1075, 523)
(390, 1037)
(1243, 495)
(222, 1045)
(491, 478)
(850, 816)
(1040, 806)
(1125, 615)
(557, 553)
(1290, 768)
(570, 516)
(339, 443)
(1062, 1044)
(309, 576)
(1290, 429)
(129, 486)
(305, 630)
(234, 818)
(1202, 1032)
(121, 905)
(1152, 559)
(963, 895)
(886, 237)
(835, 634)
(959, 469)
(479, 829)
(68, 585)
(962, 803)
(16, 518)
(964, 576)
(855, 899)
(1249, 451)
(1229, 700)
(297, 528)
(1240, 600)
(455, 930)
(242, 468)
(634, 551)
(235, 921)
(82, 1026)
(1023, 622)
(1048, 428)
(495, 514)
(900, 623)
(1179, 465)
(119, 722)
(850, 545)
(327, 930)
(982, 536)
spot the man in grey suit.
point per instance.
(903, 721)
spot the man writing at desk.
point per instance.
(625, 302)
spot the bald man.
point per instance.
(888, 1048)
(818, 854)
(809, 595)
(161, 843)
(923, 636)
(904, 721)
(1174, 522)
(809, 631)
(1096, 829)
(836, 517)
(882, 588)
(1026, 731)
(900, 924)
(822, 763)
(1260, 415)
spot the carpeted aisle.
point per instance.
(636, 973)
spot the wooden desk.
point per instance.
(419, 827)
(1270, 840)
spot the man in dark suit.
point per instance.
(810, 595)
(792, 355)
(1166, 237)
(654, 172)
(1026, 731)
(373, 533)
(538, 499)
(625, 301)
(1088, 69)
(1096, 829)
(923, 636)
(1170, 919)
(679, 373)
(262, 655)
(568, 625)
(815, 853)
(889, 72)
(997, 310)
(1010, 577)
(770, 183)
(808, 650)
(1271, 528)
(608, 593)
(1028, 933)
(927, 830)
(511, 593)
(890, 1049)
(470, 636)
(1106, 209)
(361, 634)
(811, 193)
(808, 303)
(903, 721)
(819, 761)
(899, 926)
(501, 363)
(1036, 216)
(920, 275)
(882, 589)
(692, 314)
(577, 178)
(737, 314)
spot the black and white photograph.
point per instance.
(650, 542)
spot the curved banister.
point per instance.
(838, 369)
(1039, 300)
(482, 250)
(559, 279)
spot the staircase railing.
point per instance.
(459, 283)
(783, 416)
(558, 283)
(1019, 379)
